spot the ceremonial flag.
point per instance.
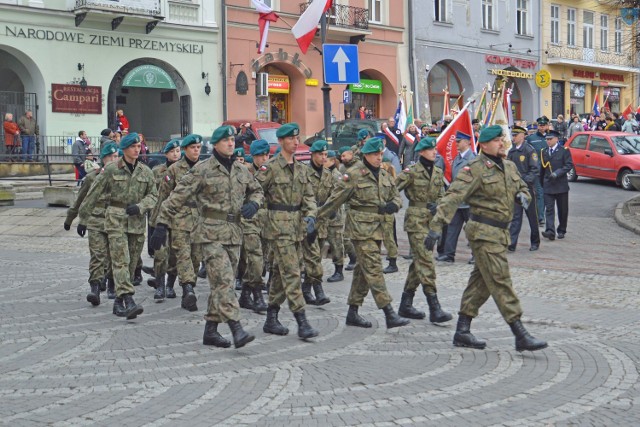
(446, 142)
(500, 118)
(401, 117)
(596, 105)
(267, 15)
(305, 29)
(482, 105)
(446, 109)
(409, 121)
(627, 111)
(507, 104)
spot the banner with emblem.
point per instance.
(446, 142)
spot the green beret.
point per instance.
(319, 146)
(120, 153)
(174, 143)
(425, 143)
(222, 132)
(259, 146)
(191, 139)
(386, 160)
(238, 152)
(108, 149)
(278, 150)
(331, 154)
(129, 140)
(344, 149)
(289, 129)
(363, 133)
(248, 159)
(373, 145)
(489, 133)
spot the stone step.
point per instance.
(33, 195)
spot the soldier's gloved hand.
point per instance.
(159, 237)
(389, 208)
(521, 198)
(333, 215)
(249, 209)
(311, 229)
(67, 226)
(553, 176)
(132, 210)
(432, 207)
(431, 240)
(82, 230)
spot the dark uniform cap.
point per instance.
(543, 120)
(238, 152)
(345, 149)
(319, 146)
(331, 154)
(373, 145)
(426, 143)
(108, 149)
(532, 126)
(106, 132)
(474, 121)
(434, 134)
(174, 143)
(289, 129)
(518, 129)
(462, 135)
(363, 133)
(129, 140)
(489, 133)
(259, 146)
(552, 134)
(222, 132)
(191, 139)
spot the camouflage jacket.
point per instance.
(255, 224)
(323, 184)
(289, 198)
(490, 191)
(338, 220)
(186, 217)
(117, 187)
(159, 172)
(366, 196)
(95, 221)
(218, 195)
(420, 189)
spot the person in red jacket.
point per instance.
(11, 136)
(122, 122)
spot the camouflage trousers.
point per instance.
(125, 250)
(188, 256)
(99, 260)
(286, 275)
(422, 270)
(251, 260)
(490, 277)
(368, 275)
(164, 259)
(221, 262)
(336, 243)
(312, 258)
(389, 236)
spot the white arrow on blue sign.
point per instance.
(340, 63)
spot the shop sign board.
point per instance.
(278, 84)
(149, 76)
(69, 98)
(510, 73)
(367, 86)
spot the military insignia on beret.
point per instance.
(230, 131)
(534, 156)
(296, 132)
(522, 158)
(345, 177)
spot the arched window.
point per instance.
(442, 76)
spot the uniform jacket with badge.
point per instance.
(559, 162)
(421, 189)
(366, 196)
(457, 165)
(120, 187)
(186, 217)
(526, 160)
(253, 225)
(284, 188)
(159, 172)
(218, 195)
(323, 183)
(95, 221)
(490, 191)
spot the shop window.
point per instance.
(618, 35)
(488, 15)
(442, 77)
(577, 98)
(522, 17)
(571, 27)
(587, 29)
(604, 33)
(555, 24)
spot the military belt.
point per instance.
(488, 221)
(285, 208)
(367, 209)
(222, 216)
(118, 204)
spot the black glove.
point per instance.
(159, 237)
(132, 210)
(312, 233)
(333, 215)
(67, 226)
(249, 209)
(82, 230)
(389, 208)
(432, 207)
(553, 176)
(521, 198)
(431, 240)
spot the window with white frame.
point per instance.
(587, 29)
(555, 24)
(604, 32)
(375, 10)
(618, 35)
(442, 9)
(488, 15)
(571, 27)
(522, 17)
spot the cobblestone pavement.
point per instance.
(63, 362)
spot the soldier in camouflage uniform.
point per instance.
(99, 264)
(335, 235)
(423, 185)
(289, 200)
(489, 184)
(182, 225)
(372, 195)
(130, 192)
(222, 190)
(363, 135)
(347, 159)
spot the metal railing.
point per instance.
(590, 56)
(345, 16)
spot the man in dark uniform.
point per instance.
(556, 162)
(538, 142)
(527, 162)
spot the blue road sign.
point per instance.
(346, 96)
(340, 63)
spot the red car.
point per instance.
(605, 155)
(267, 131)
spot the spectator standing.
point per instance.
(575, 127)
(122, 122)
(395, 144)
(361, 114)
(79, 153)
(561, 128)
(11, 136)
(90, 163)
(107, 136)
(405, 152)
(29, 131)
(611, 125)
(630, 125)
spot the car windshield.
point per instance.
(269, 134)
(627, 144)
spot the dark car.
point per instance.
(345, 132)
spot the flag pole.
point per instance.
(326, 89)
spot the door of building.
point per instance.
(557, 98)
(185, 115)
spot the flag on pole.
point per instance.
(305, 29)
(482, 105)
(507, 104)
(401, 122)
(627, 111)
(446, 142)
(500, 118)
(446, 109)
(596, 104)
(267, 15)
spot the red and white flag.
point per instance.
(305, 29)
(627, 111)
(446, 142)
(267, 15)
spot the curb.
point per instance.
(622, 220)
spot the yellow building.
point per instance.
(588, 49)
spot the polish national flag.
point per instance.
(446, 142)
(267, 15)
(305, 29)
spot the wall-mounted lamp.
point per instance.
(207, 88)
(83, 81)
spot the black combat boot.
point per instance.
(337, 276)
(137, 277)
(407, 309)
(240, 336)
(436, 313)
(160, 293)
(321, 298)
(132, 310)
(304, 328)
(392, 267)
(94, 293)
(149, 270)
(152, 282)
(524, 341)
(352, 262)
(393, 320)
(306, 293)
(189, 297)
(118, 307)
(171, 280)
(111, 288)
(245, 297)
(272, 325)
(259, 306)
(354, 319)
(103, 284)
(463, 336)
(202, 272)
(212, 337)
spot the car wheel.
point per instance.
(572, 176)
(623, 179)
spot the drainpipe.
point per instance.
(223, 37)
(412, 61)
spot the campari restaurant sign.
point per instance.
(67, 98)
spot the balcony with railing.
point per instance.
(590, 57)
(345, 17)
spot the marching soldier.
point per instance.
(99, 264)
(335, 234)
(347, 160)
(423, 184)
(289, 200)
(363, 135)
(222, 190)
(128, 188)
(372, 195)
(490, 185)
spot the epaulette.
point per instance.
(489, 163)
